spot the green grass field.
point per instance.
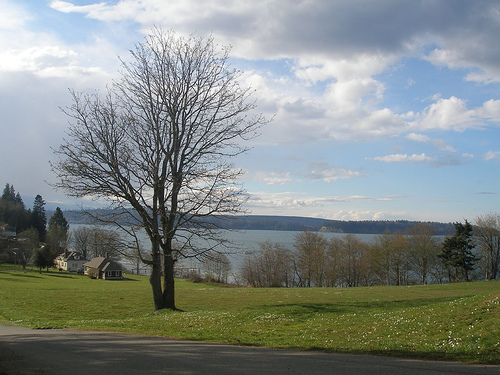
(453, 322)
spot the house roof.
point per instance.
(103, 264)
(70, 255)
(8, 234)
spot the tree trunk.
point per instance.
(155, 279)
(169, 283)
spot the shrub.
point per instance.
(93, 273)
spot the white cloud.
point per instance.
(326, 53)
(439, 143)
(328, 173)
(490, 111)
(347, 96)
(346, 33)
(418, 137)
(453, 114)
(447, 114)
(490, 155)
(36, 59)
(288, 202)
(398, 158)
(273, 178)
(102, 11)
(364, 215)
(322, 68)
(294, 203)
(13, 16)
(92, 10)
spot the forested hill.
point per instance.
(378, 227)
(295, 223)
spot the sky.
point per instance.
(381, 110)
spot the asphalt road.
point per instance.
(64, 351)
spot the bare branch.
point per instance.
(157, 147)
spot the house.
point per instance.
(71, 261)
(103, 268)
(7, 232)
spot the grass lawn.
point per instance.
(453, 321)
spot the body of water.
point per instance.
(245, 241)
(242, 242)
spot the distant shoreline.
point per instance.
(297, 223)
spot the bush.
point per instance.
(93, 273)
(195, 277)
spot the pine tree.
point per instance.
(57, 235)
(58, 220)
(43, 258)
(19, 200)
(39, 218)
(457, 251)
(12, 210)
(9, 194)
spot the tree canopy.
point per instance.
(158, 146)
(39, 217)
(57, 220)
(12, 209)
(457, 251)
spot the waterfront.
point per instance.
(240, 243)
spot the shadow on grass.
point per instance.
(304, 309)
(62, 276)
(124, 279)
(21, 275)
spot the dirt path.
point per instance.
(63, 351)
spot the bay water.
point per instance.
(240, 243)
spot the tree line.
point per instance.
(39, 241)
(415, 256)
(35, 239)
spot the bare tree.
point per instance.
(269, 266)
(353, 264)
(381, 258)
(389, 259)
(97, 242)
(487, 239)
(28, 244)
(311, 258)
(333, 254)
(217, 267)
(423, 250)
(158, 146)
(81, 240)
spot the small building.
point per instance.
(8, 232)
(103, 268)
(71, 261)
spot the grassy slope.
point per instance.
(454, 321)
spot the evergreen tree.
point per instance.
(19, 200)
(12, 210)
(457, 253)
(9, 194)
(43, 258)
(39, 218)
(58, 220)
(57, 235)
